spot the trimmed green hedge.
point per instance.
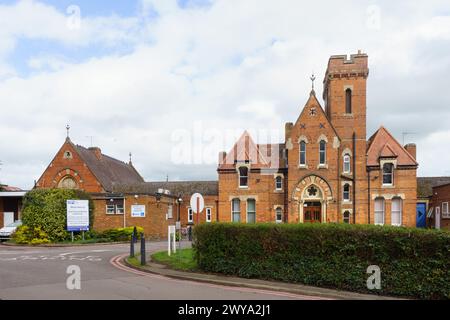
(47, 209)
(413, 262)
(122, 234)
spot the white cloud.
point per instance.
(235, 65)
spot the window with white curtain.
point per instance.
(396, 212)
(379, 211)
(236, 210)
(251, 211)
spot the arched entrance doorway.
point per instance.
(311, 197)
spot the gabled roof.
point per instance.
(107, 170)
(176, 188)
(9, 188)
(425, 185)
(383, 144)
(245, 150)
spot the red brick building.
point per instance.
(326, 170)
(439, 215)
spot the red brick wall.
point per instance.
(211, 201)
(440, 194)
(75, 167)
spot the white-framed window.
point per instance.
(322, 152)
(347, 168)
(251, 211)
(279, 183)
(379, 211)
(115, 206)
(437, 217)
(279, 215)
(302, 156)
(388, 174)
(396, 212)
(170, 212)
(208, 214)
(346, 217)
(110, 209)
(236, 210)
(243, 177)
(190, 215)
(346, 192)
(445, 213)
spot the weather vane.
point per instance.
(130, 156)
(313, 77)
(67, 128)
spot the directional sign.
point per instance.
(197, 203)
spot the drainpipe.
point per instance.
(368, 195)
(354, 177)
(339, 209)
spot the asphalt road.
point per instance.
(41, 273)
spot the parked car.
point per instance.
(6, 232)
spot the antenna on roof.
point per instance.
(167, 178)
(92, 140)
(406, 133)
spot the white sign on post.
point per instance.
(77, 215)
(170, 241)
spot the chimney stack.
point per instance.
(287, 130)
(412, 149)
(222, 157)
(97, 152)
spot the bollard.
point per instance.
(190, 233)
(135, 237)
(142, 250)
(132, 247)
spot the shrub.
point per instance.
(47, 209)
(413, 262)
(121, 234)
(27, 235)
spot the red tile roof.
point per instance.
(383, 144)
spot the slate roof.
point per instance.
(107, 170)
(9, 188)
(383, 144)
(425, 185)
(176, 188)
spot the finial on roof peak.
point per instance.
(312, 78)
(68, 129)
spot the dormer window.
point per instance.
(388, 174)
(243, 177)
(322, 152)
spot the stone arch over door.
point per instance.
(311, 188)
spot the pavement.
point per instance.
(308, 292)
(47, 273)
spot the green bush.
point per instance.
(413, 262)
(47, 209)
(27, 235)
(121, 234)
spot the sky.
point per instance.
(175, 82)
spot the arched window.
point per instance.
(251, 211)
(243, 177)
(396, 212)
(379, 211)
(348, 101)
(67, 183)
(388, 174)
(302, 159)
(278, 183)
(236, 210)
(346, 192)
(278, 215)
(346, 217)
(347, 163)
(322, 152)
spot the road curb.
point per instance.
(56, 245)
(326, 293)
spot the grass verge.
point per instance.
(182, 260)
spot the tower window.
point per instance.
(348, 101)
(322, 151)
(388, 174)
(243, 177)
